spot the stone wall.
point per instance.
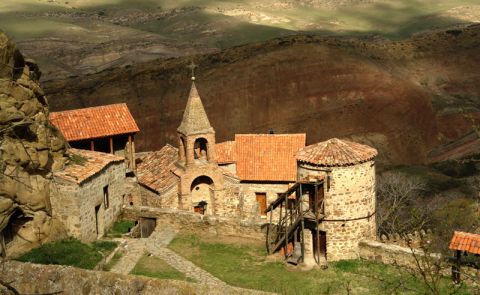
(77, 203)
(189, 221)
(250, 206)
(389, 254)
(30, 278)
(235, 199)
(348, 201)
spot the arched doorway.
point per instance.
(202, 195)
(200, 149)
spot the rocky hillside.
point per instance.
(30, 149)
(397, 95)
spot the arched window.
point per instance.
(200, 149)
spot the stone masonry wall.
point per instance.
(351, 195)
(30, 278)
(194, 222)
(251, 208)
(388, 253)
(72, 199)
(66, 205)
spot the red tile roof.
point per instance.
(465, 242)
(225, 152)
(94, 122)
(155, 169)
(267, 157)
(86, 165)
(336, 152)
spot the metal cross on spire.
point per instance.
(192, 66)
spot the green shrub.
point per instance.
(67, 252)
(120, 227)
(105, 246)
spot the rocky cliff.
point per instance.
(396, 95)
(30, 150)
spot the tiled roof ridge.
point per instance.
(68, 175)
(94, 122)
(336, 152)
(465, 241)
(267, 157)
(89, 108)
(268, 134)
(155, 170)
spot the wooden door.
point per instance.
(262, 202)
(147, 226)
(319, 243)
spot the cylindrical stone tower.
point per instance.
(349, 193)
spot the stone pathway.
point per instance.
(134, 249)
(157, 244)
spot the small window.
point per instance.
(106, 200)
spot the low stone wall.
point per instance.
(29, 278)
(189, 221)
(389, 254)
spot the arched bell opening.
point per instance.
(200, 149)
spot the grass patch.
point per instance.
(105, 247)
(245, 266)
(113, 261)
(70, 252)
(119, 228)
(151, 266)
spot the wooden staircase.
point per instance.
(293, 217)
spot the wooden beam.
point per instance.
(92, 145)
(111, 144)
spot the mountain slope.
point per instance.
(375, 91)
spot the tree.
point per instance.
(396, 192)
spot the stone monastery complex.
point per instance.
(315, 203)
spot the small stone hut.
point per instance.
(87, 195)
(349, 194)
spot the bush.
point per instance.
(121, 227)
(70, 252)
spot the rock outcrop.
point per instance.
(30, 150)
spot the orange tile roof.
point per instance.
(155, 169)
(336, 152)
(94, 122)
(225, 152)
(267, 157)
(94, 163)
(465, 242)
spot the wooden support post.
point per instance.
(303, 224)
(456, 267)
(92, 145)
(131, 152)
(111, 144)
(287, 226)
(316, 224)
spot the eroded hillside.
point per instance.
(396, 95)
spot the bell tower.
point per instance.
(196, 137)
(201, 187)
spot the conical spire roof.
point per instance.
(195, 118)
(336, 152)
